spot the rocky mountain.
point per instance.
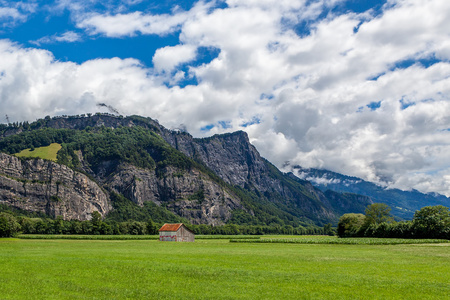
(45, 186)
(215, 180)
(403, 203)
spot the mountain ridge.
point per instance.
(214, 180)
(403, 203)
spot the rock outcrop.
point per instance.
(51, 188)
(189, 193)
(236, 161)
(54, 189)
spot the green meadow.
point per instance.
(48, 152)
(218, 269)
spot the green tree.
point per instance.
(9, 227)
(41, 226)
(378, 213)
(105, 228)
(328, 230)
(151, 227)
(75, 227)
(58, 225)
(28, 225)
(432, 221)
(350, 224)
(136, 228)
(86, 227)
(96, 222)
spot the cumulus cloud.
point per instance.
(167, 58)
(45, 86)
(129, 24)
(353, 93)
(33, 84)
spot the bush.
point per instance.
(350, 225)
(9, 227)
(432, 222)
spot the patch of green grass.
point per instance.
(86, 237)
(48, 152)
(216, 269)
(226, 237)
(125, 237)
(336, 240)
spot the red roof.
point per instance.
(171, 227)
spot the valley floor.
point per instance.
(218, 269)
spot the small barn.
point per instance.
(176, 233)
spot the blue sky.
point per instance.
(357, 87)
(49, 21)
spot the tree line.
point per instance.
(11, 225)
(429, 222)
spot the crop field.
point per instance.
(219, 269)
(335, 240)
(48, 152)
(129, 237)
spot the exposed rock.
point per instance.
(45, 186)
(189, 194)
(236, 160)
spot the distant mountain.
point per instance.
(134, 168)
(403, 203)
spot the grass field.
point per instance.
(218, 269)
(335, 240)
(48, 152)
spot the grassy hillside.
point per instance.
(47, 152)
(217, 269)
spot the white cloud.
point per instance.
(66, 37)
(311, 94)
(321, 180)
(13, 13)
(167, 58)
(130, 24)
(34, 84)
(8, 12)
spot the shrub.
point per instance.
(431, 221)
(9, 227)
(350, 225)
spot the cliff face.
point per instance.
(231, 156)
(236, 161)
(189, 193)
(54, 189)
(51, 188)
